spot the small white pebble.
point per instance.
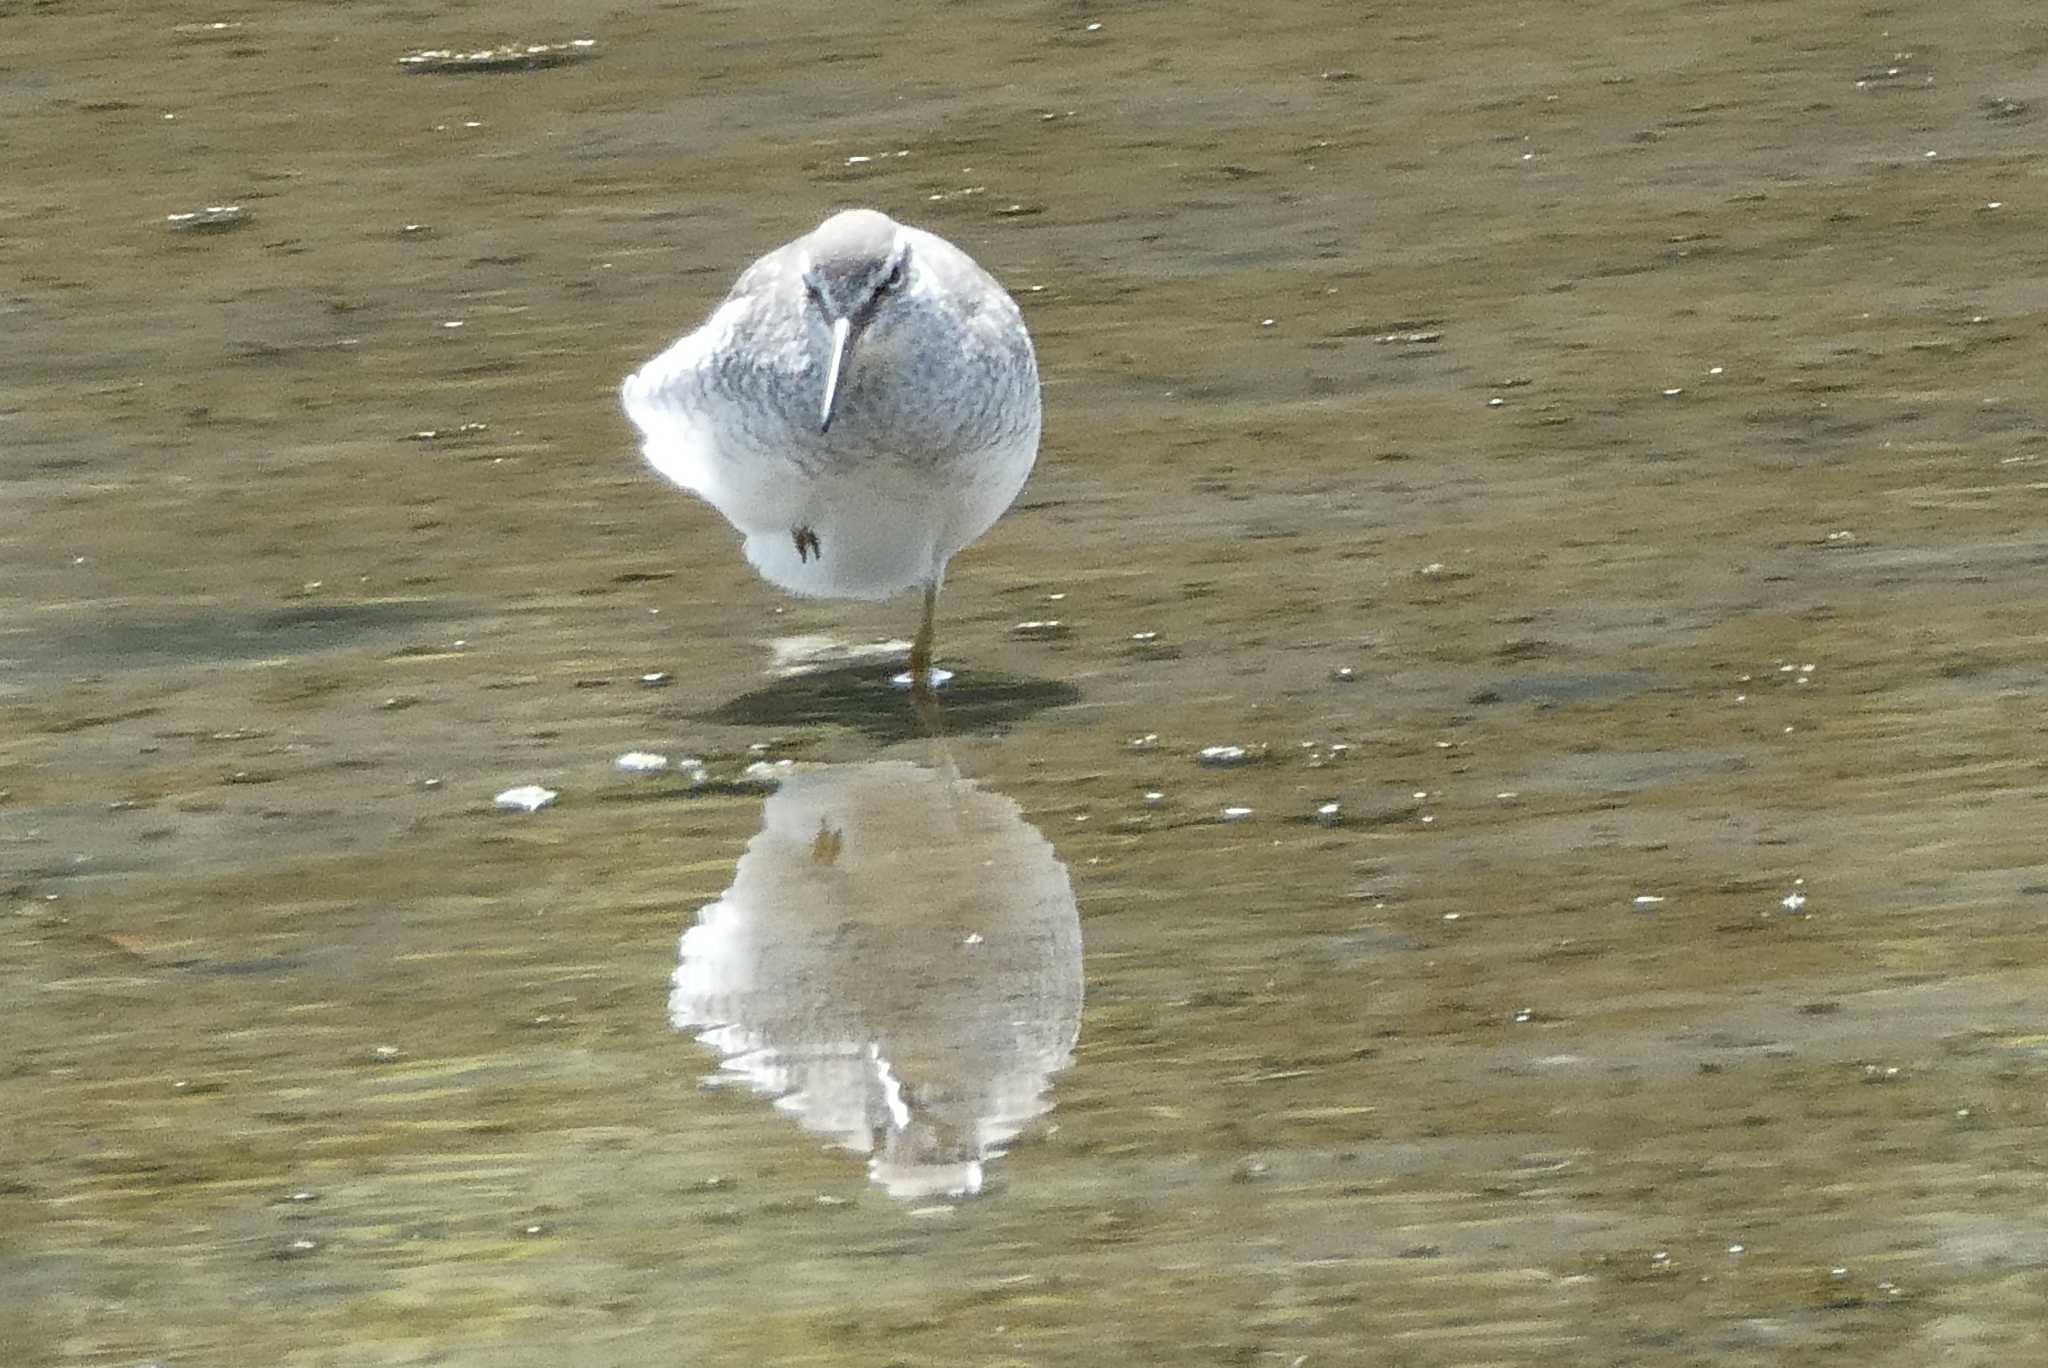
(1647, 900)
(641, 762)
(1236, 814)
(526, 798)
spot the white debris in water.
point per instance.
(1222, 755)
(796, 655)
(1042, 629)
(641, 762)
(1329, 814)
(1647, 900)
(1793, 902)
(526, 798)
(1236, 814)
(772, 772)
(937, 676)
(1153, 797)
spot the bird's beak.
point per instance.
(842, 342)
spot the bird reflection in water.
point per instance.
(897, 963)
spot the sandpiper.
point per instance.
(862, 405)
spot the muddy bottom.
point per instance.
(1587, 463)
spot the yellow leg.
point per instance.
(921, 663)
(921, 649)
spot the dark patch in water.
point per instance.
(861, 697)
(1565, 688)
(209, 636)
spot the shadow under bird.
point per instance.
(862, 405)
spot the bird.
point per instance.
(862, 405)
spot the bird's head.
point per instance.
(854, 264)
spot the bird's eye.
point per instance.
(895, 278)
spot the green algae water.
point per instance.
(1576, 470)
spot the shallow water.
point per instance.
(1640, 401)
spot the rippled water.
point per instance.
(1588, 457)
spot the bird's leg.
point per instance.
(921, 662)
(921, 649)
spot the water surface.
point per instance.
(1596, 447)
